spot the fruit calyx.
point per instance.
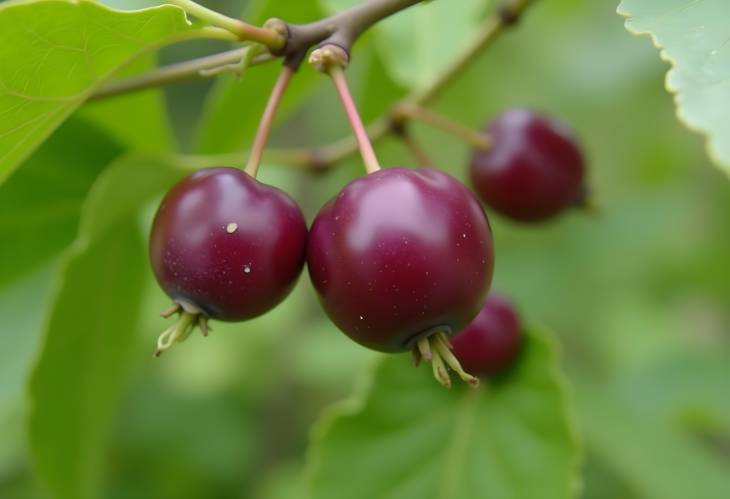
(436, 349)
(190, 317)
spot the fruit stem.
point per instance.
(273, 39)
(437, 350)
(363, 141)
(467, 135)
(508, 12)
(421, 156)
(267, 120)
(177, 333)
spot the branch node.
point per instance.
(318, 162)
(294, 59)
(509, 15)
(398, 127)
(397, 119)
(282, 28)
(326, 56)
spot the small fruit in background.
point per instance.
(225, 246)
(534, 169)
(492, 341)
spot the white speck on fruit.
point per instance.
(246, 269)
(231, 227)
(464, 236)
(361, 317)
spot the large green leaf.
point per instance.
(54, 53)
(410, 437)
(233, 107)
(651, 456)
(693, 38)
(40, 206)
(420, 42)
(120, 116)
(90, 330)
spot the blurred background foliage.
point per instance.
(639, 295)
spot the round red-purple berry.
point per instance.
(226, 245)
(401, 254)
(533, 170)
(492, 341)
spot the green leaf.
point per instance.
(54, 53)
(693, 37)
(233, 107)
(419, 43)
(410, 437)
(41, 203)
(91, 328)
(687, 388)
(120, 115)
(653, 457)
(40, 206)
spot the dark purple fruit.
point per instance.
(226, 246)
(492, 341)
(533, 170)
(400, 255)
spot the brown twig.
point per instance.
(321, 158)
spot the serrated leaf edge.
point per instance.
(676, 93)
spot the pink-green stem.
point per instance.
(267, 120)
(421, 156)
(470, 137)
(363, 141)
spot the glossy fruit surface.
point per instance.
(399, 254)
(492, 341)
(533, 170)
(227, 244)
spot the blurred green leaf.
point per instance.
(328, 358)
(601, 483)
(40, 206)
(693, 38)
(90, 329)
(91, 322)
(418, 44)
(54, 53)
(687, 388)
(173, 444)
(650, 455)
(410, 437)
(233, 107)
(120, 115)
(283, 482)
